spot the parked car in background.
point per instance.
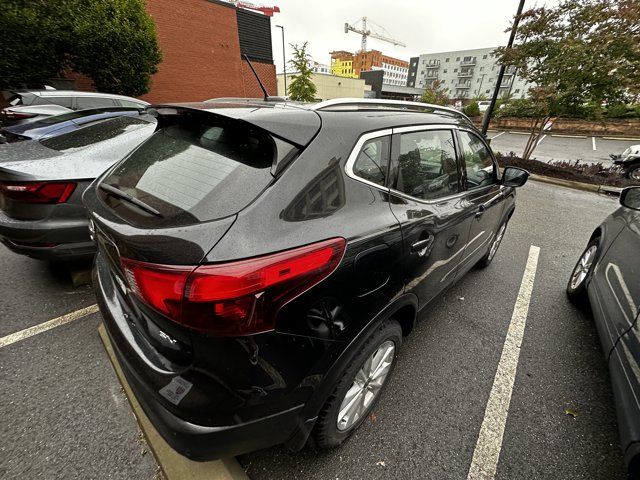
(258, 267)
(483, 105)
(607, 278)
(41, 185)
(59, 124)
(30, 105)
(629, 160)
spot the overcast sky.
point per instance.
(425, 26)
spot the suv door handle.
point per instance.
(480, 211)
(421, 246)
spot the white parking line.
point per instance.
(501, 133)
(593, 142)
(568, 136)
(489, 444)
(43, 327)
(543, 137)
(622, 138)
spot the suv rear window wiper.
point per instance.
(125, 196)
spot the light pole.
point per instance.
(284, 60)
(489, 112)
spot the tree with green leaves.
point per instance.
(116, 45)
(436, 94)
(111, 41)
(577, 52)
(302, 88)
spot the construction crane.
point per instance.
(268, 11)
(365, 32)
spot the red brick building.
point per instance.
(202, 43)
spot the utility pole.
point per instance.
(284, 60)
(489, 112)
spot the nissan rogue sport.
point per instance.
(259, 262)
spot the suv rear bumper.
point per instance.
(203, 443)
(47, 239)
(197, 442)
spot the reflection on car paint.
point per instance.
(625, 289)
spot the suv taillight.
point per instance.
(234, 298)
(38, 192)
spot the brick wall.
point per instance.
(267, 74)
(628, 127)
(201, 54)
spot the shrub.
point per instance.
(521, 107)
(472, 110)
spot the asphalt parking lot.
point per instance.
(65, 416)
(562, 147)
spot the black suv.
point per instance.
(260, 262)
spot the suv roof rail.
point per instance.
(385, 104)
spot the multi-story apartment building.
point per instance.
(465, 73)
(395, 70)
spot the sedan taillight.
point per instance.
(234, 298)
(11, 115)
(38, 192)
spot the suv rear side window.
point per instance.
(427, 166)
(373, 160)
(62, 101)
(130, 104)
(198, 168)
(478, 161)
(94, 102)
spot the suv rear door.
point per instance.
(428, 200)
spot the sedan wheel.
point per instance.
(366, 386)
(634, 173)
(576, 287)
(583, 266)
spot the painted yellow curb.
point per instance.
(173, 465)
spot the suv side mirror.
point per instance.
(514, 177)
(630, 198)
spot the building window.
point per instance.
(458, 59)
(487, 91)
(484, 57)
(444, 71)
(517, 90)
(446, 60)
(455, 70)
(481, 68)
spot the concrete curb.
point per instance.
(587, 187)
(173, 465)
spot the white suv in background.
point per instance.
(29, 105)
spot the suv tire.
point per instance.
(493, 248)
(327, 433)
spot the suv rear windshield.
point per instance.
(197, 167)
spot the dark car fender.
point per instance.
(404, 309)
(608, 231)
